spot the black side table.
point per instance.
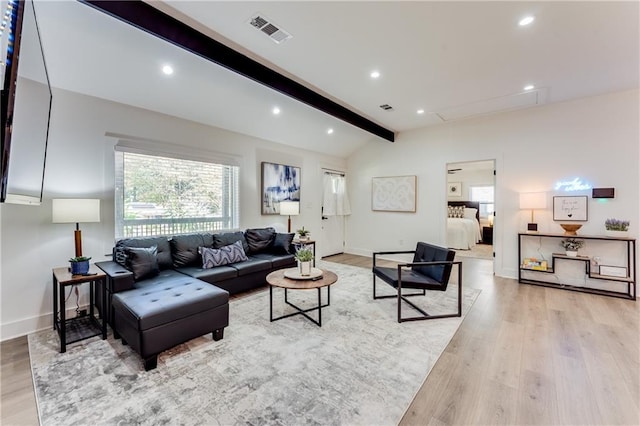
(79, 328)
(487, 234)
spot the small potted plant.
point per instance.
(616, 227)
(79, 265)
(304, 256)
(571, 246)
(303, 234)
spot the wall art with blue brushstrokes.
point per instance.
(279, 183)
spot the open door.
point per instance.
(335, 206)
(471, 184)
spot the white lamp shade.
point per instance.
(75, 210)
(289, 208)
(533, 200)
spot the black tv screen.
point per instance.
(26, 105)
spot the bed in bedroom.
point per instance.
(463, 225)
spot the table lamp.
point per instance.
(289, 208)
(74, 210)
(533, 201)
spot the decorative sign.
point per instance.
(570, 208)
(572, 185)
(394, 194)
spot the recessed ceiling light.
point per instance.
(329, 131)
(375, 74)
(275, 110)
(526, 20)
(420, 111)
(529, 87)
(167, 69)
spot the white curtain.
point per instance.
(335, 201)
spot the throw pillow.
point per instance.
(223, 256)
(143, 262)
(282, 244)
(162, 244)
(260, 239)
(470, 213)
(227, 238)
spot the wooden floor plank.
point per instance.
(523, 355)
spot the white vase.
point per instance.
(617, 234)
(304, 268)
(571, 253)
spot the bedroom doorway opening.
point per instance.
(471, 208)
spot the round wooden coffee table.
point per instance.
(278, 279)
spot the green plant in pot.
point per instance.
(571, 246)
(614, 226)
(304, 256)
(303, 233)
(79, 265)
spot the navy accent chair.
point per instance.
(430, 270)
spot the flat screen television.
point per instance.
(25, 105)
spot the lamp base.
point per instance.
(532, 227)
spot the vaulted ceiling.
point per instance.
(452, 60)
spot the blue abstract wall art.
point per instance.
(279, 183)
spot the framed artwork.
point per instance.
(279, 183)
(570, 208)
(394, 194)
(454, 189)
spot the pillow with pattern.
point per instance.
(226, 255)
(456, 211)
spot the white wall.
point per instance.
(594, 138)
(80, 164)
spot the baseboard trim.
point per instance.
(32, 324)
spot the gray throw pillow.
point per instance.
(226, 255)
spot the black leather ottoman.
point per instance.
(155, 318)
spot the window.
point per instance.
(484, 195)
(165, 196)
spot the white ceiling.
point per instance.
(452, 59)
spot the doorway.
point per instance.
(471, 184)
(335, 207)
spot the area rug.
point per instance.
(479, 251)
(360, 368)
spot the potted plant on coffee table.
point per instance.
(79, 265)
(304, 256)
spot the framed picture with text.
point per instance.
(570, 208)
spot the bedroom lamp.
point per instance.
(74, 210)
(533, 201)
(289, 208)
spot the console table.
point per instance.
(609, 264)
(81, 327)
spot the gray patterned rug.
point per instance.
(360, 368)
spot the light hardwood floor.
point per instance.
(523, 355)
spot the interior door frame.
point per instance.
(497, 219)
(326, 170)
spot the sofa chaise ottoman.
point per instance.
(169, 309)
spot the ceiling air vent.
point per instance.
(275, 33)
(386, 107)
